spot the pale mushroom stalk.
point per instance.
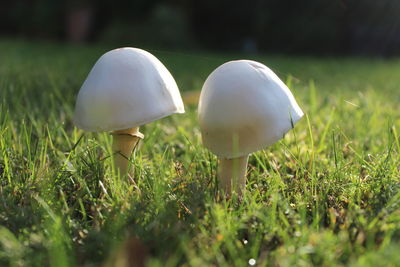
(124, 142)
(232, 174)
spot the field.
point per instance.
(326, 195)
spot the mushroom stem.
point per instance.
(124, 141)
(232, 175)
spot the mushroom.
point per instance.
(126, 88)
(243, 107)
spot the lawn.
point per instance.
(328, 194)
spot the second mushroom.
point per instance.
(243, 107)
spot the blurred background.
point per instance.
(321, 27)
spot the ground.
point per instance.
(326, 195)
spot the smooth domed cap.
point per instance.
(245, 107)
(126, 88)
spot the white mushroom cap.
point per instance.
(126, 88)
(245, 107)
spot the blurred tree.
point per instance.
(225, 23)
(36, 18)
(316, 20)
(164, 26)
(78, 20)
(374, 27)
(309, 26)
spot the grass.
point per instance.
(326, 195)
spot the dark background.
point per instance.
(323, 27)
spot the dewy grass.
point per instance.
(326, 195)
